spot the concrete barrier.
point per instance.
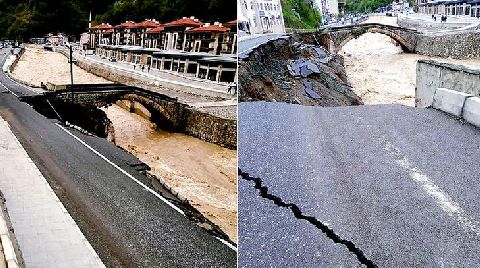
(433, 74)
(471, 111)
(458, 104)
(449, 101)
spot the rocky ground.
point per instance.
(295, 71)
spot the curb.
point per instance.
(449, 101)
(55, 197)
(458, 104)
(10, 250)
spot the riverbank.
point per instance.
(37, 66)
(380, 73)
(203, 173)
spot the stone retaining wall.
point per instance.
(433, 74)
(17, 58)
(461, 44)
(168, 115)
(458, 45)
(179, 117)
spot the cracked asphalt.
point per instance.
(401, 183)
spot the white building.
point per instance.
(332, 7)
(329, 8)
(260, 16)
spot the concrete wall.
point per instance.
(457, 45)
(433, 74)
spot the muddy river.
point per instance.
(202, 172)
(381, 73)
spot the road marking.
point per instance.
(442, 198)
(123, 171)
(14, 94)
(137, 181)
(226, 243)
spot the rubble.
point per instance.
(295, 70)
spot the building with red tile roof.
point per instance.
(185, 46)
(184, 22)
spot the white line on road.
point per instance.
(123, 171)
(441, 197)
(227, 244)
(14, 94)
(137, 181)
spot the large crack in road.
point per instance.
(297, 212)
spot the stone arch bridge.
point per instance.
(166, 112)
(335, 38)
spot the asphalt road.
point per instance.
(246, 45)
(127, 225)
(325, 187)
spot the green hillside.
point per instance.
(22, 19)
(300, 14)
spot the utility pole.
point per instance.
(71, 70)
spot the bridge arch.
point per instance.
(166, 115)
(401, 41)
(335, 38)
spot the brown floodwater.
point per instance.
(380, 73)
(202, 172)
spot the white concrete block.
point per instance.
(8, 250)
(449, 101)
(471, 111)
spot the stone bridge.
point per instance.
(166, 112)
(335, 38)
(447, 44)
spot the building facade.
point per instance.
(330, 9)
(260, 16)
(187, 46)
(469, 8)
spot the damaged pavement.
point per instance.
(313, 191)
(295, 70)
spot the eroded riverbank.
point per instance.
(202, 172)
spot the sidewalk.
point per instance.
(47, 235)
